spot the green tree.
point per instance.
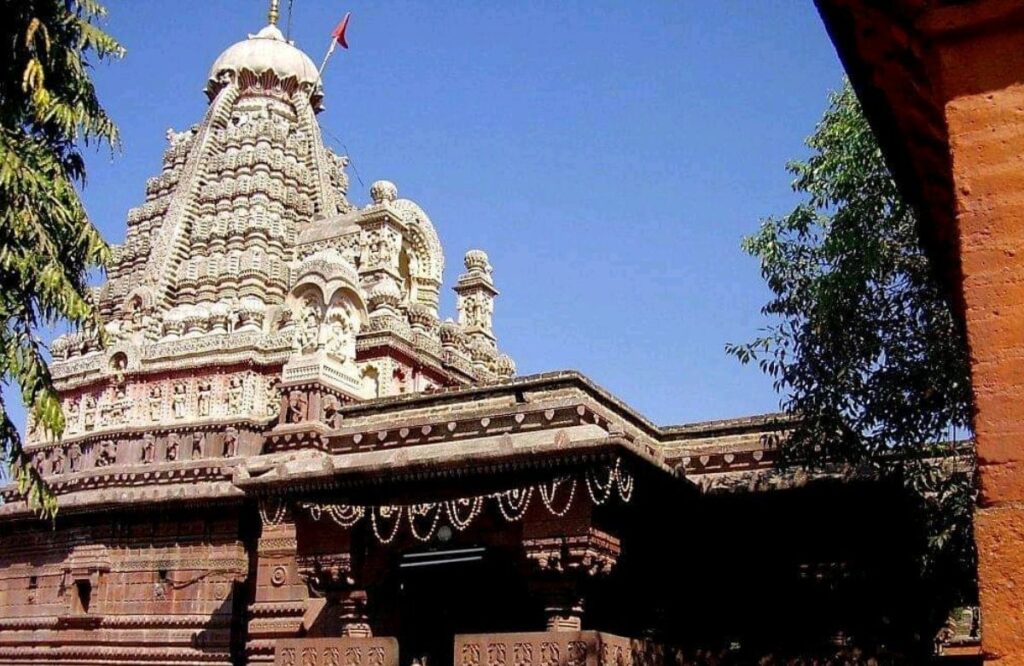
(48, 110)
(860, 341)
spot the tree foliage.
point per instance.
(48, 111)
(860, 341)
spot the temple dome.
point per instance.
(265, 51)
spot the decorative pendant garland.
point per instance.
(278, 515)
(424, 519)
(548, 496)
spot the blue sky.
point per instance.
(609, 157)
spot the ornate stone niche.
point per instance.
(328, 313)
(84, 571)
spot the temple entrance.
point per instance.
(442, 593)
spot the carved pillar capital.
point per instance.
(564, 567)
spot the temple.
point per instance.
(285, 453)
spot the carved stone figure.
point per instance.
(173, 442)
(118, 364)
(72, 417)
(230, 443)
(75, 457)
(89, 412)
(198, 445)
(31, 425)
(148, 448)
(135, 321)
(380, 248)
(273, 397)
(205, 391)
(39, 463)
(284, 320)
(476, 311)
(332, 415)
(58, 460)
(296, 407)
(178, 401)
(307, 330)
(235, 390)
(155, 403)
(118, 408)
(107, 454)
(341, 342)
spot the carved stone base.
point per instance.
(336, 651)
(323, 369)
(551, 648)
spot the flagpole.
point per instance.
(330, 51)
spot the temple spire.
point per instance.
(273, 13)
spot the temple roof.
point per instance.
(265, 51)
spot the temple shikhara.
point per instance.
(287, 453)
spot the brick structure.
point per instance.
(941, 83)
(285, 456)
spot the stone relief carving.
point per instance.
(75, 457)
(332, 415)
(155, 402)
(72, 416)
(198, 444)
(307, 330)
(107, 453)
(477, 311)
(203, 404)
(273, 397)
(340, 335)
(296, 407)
(58, 461)
(39, 463)
(381, 248)
(148, 448)
(236, 391)
(89, 412)
(173, 442)
(230, 443)
(178, 407)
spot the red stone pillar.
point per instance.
(280, 601)
(979, 65)
(340, 600)
(564, 567)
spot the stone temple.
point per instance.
(285, 453)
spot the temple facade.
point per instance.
(284, 453)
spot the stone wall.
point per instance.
(155, 587)
(984, 91)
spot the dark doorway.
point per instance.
(442, 593)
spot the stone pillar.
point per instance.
(339, 598)
(983, 96)
(564, 568)
(280, 601)
(476, 292)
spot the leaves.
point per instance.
(860, 341)
(48, 108)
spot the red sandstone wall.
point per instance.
(163, 589)
(983, 82)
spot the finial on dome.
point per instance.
(477, 261)
(273, 13)
(383, 190)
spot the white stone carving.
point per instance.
(178, 403)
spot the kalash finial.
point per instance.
(273, 13)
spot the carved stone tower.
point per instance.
(250, 290)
